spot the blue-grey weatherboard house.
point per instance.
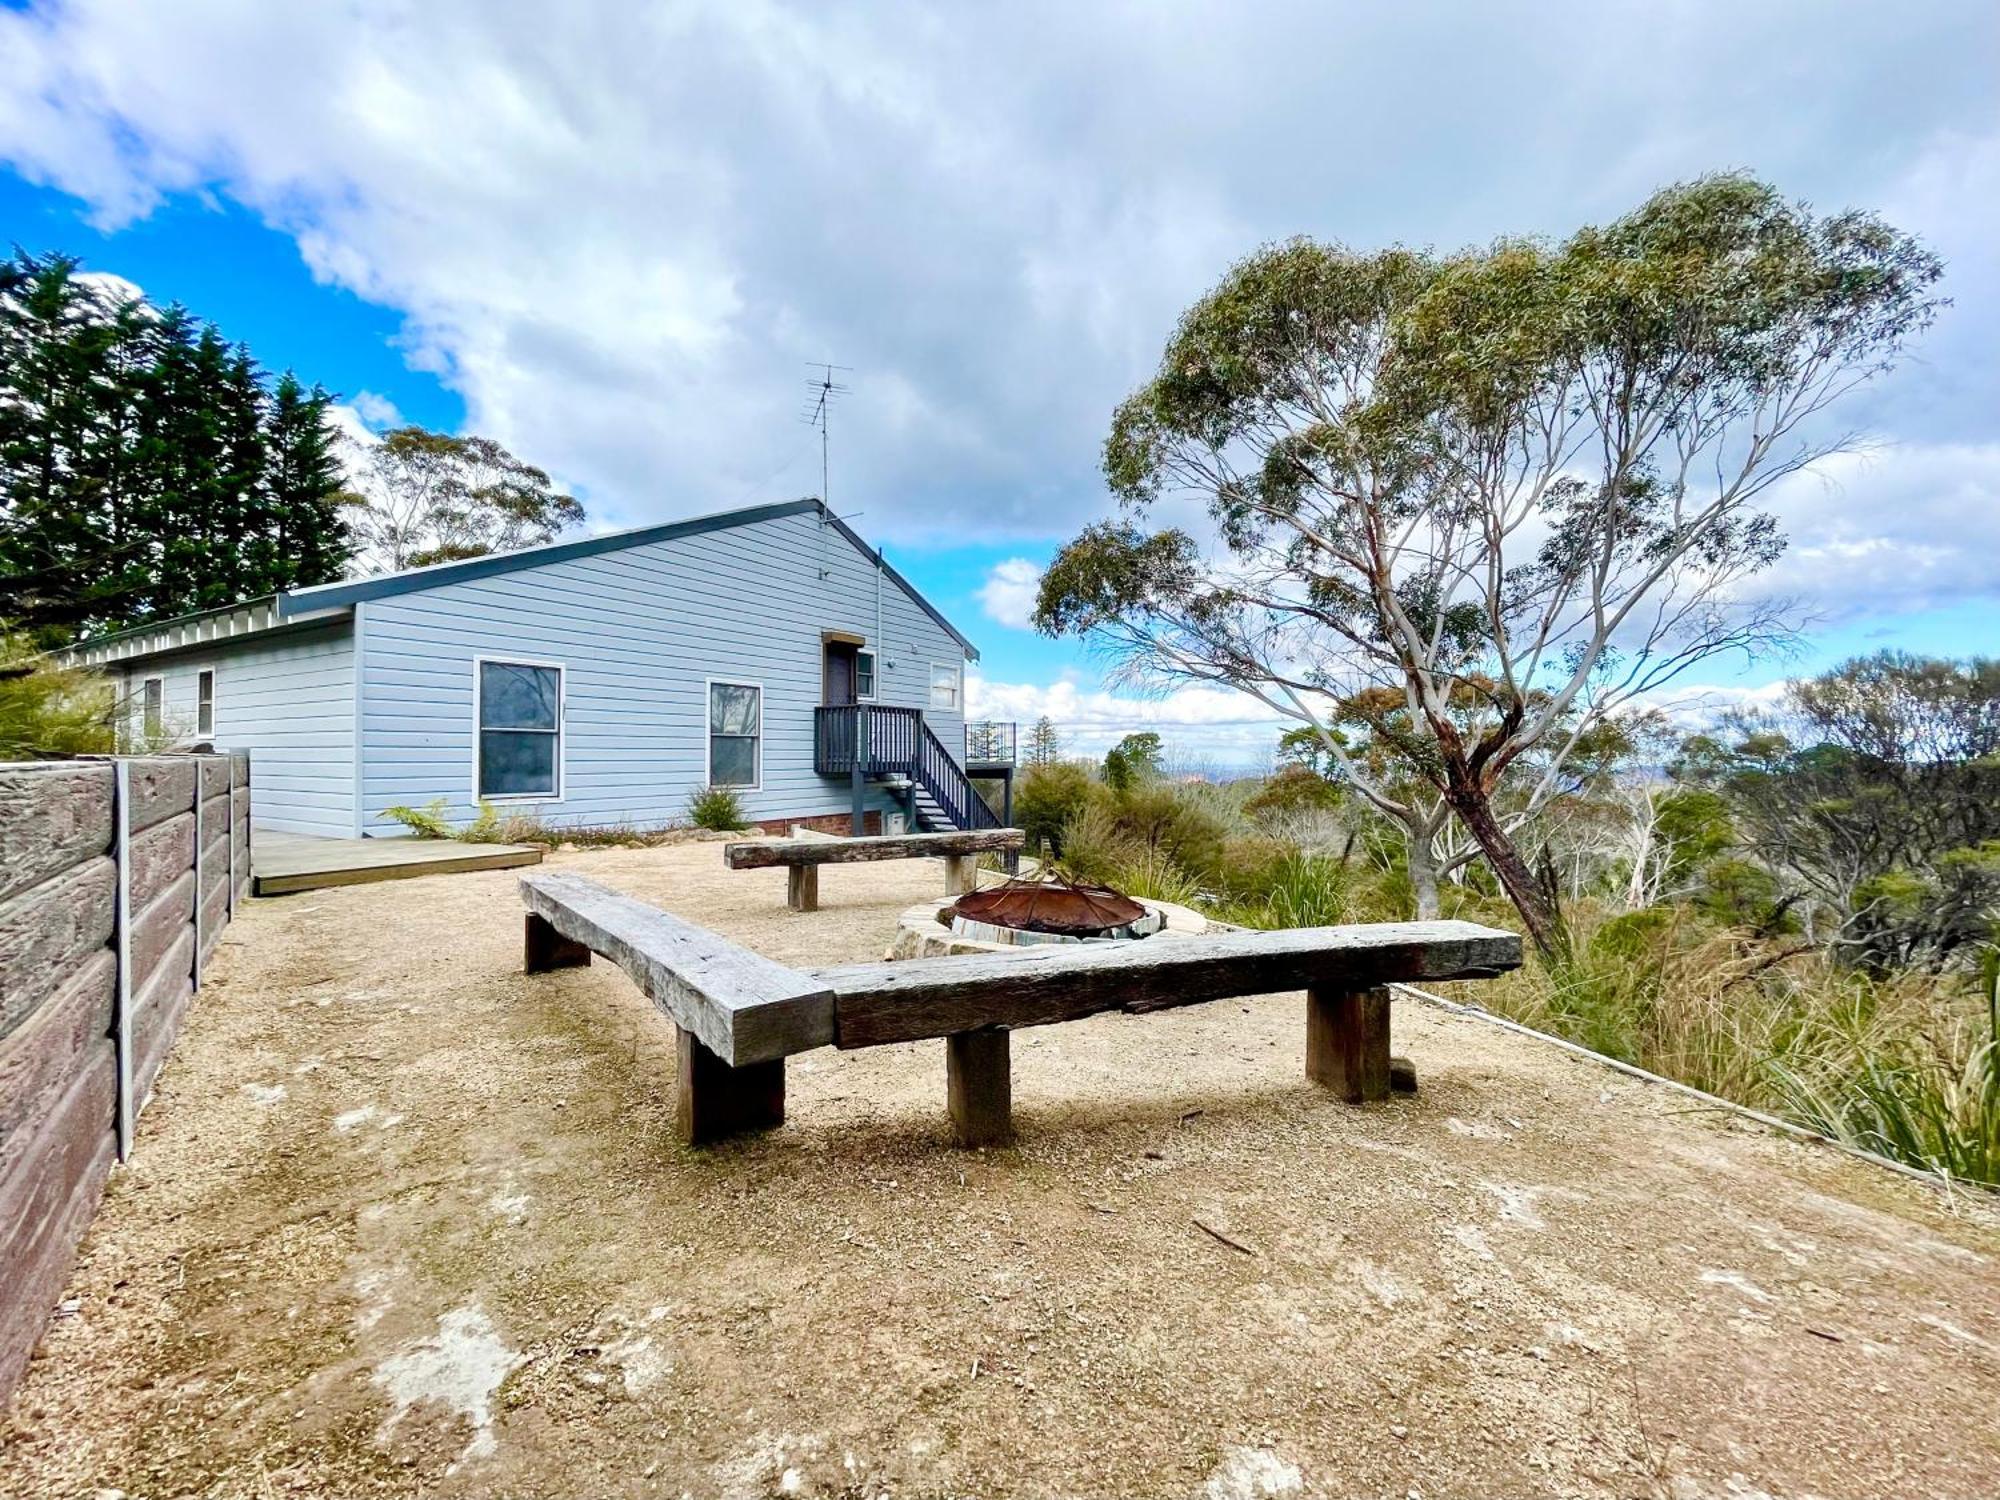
(591, 682)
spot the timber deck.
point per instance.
(283, 863)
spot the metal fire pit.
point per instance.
(1052, 906)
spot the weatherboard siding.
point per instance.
(288, 701)
(639, 633)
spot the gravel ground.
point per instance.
(404, 1221)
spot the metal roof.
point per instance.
(329, 601)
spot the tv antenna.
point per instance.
(819, 406)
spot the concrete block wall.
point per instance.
(107, 918)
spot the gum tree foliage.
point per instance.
(1532, 471)
(148, 467)
(433, 498)
(1137, 757)
(1873, 795)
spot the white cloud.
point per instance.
(1696, 705)
(1889, 530)
(376, 411)
(353, 437)
(622, 232)
(1008, 595)
(1228, 728)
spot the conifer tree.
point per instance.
(148, 468)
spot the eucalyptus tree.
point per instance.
(1531, 473)
(429, 497)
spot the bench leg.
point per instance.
(961, 874)
(544, 948)
(979, 1087)
(802, 887)
(1347, 1042)
(713, 1100)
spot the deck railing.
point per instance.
(989, 743)
(890, 747)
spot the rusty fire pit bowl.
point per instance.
(1054, 905)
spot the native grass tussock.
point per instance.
(1719, 987)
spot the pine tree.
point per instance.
(304, 489)
(147, 468)
(1044, 744)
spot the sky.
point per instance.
(616, 238)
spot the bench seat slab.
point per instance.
(743, 1007)
(759, 854)
(912, 998)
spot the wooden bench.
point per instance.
(802, 857)
(739, 1015)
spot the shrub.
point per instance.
(1093, 845)
(1152, 876)
(426, 822)
(1166, 819)
(717, 808)
(1048, 797)
(1928, 1108)
(484, 829)
(1300, 890)
(46, 710)
(1292, 790)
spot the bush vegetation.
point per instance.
(492, 826)
(1799, 914)
(717, 808)
(47, 710)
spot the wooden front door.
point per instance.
(837, 684)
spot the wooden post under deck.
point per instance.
(713, 1100)
(979, 1087)
(1347, 1042)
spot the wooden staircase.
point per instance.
(893, 743)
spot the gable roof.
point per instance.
(326, 601)
(410, 580)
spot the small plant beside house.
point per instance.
(716, 808)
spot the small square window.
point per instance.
(944, 686)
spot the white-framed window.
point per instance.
(152, 709)
(204, 702)
(735, 734)
(518, 714)
(946, 685)
(864, 676)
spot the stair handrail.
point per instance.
(949, 786)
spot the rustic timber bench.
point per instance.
(740, 1015)
(803, 857)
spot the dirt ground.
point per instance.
(404, 1221)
